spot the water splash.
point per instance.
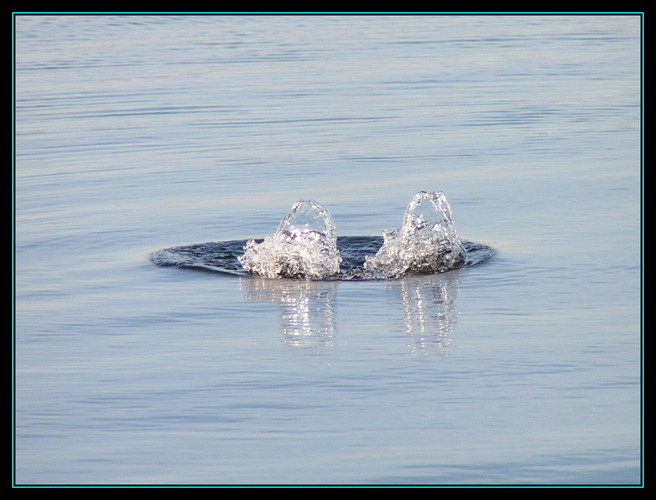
(304, 246)
(426, 243)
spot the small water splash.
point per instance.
(426, 243)
(304, 246)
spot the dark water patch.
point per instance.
(222, 256)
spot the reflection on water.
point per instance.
(429, 310)
(307, 309)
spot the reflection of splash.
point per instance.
(308, 318)
(429, 311)
(307, 308)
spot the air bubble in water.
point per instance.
(304, 246)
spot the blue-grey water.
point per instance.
(138, 133)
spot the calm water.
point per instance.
(138, 133)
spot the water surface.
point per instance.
(138, 133)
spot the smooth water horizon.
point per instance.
(139, 133)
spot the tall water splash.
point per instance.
(426, 243)
(304, 246)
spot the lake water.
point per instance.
(138, 133)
